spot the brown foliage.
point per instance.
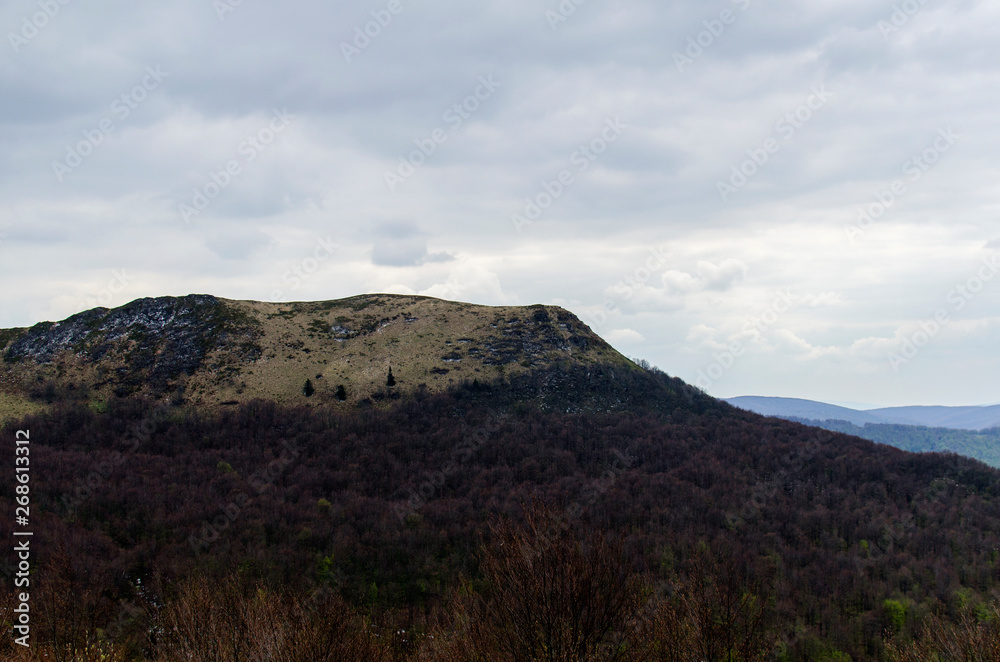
(969, 640)
(231, 622)
(847, 523)
(553, 596)
(717, 614)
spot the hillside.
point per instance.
(211, 351)
(386, 506)
(982, 445)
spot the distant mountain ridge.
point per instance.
(955, 418)
(796, 408)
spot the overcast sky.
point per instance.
(775, 198)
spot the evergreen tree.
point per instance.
(308, 389)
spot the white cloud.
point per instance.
(722, 276)
(469, 281)
(397, 288)
(625, 337)
(679, 282)
(821, 300)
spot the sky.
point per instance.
(782, 198)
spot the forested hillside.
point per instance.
(817, 545)
(982, 445)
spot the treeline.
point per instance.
(835, 541)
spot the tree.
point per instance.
(552, 596)
(341, 392)
(975, 637)
(308, 389)
(390, 380)
(718, 613)
(233, 620)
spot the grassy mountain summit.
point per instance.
(211, 351)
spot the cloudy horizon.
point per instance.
(783, 199)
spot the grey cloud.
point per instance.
(657, 185)
(404, 245)
(237, 245)
(722, 276)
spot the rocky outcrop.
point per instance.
(150, 340)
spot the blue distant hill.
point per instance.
(807, 409)
(955, 418)
(970, 431)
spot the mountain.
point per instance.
(212, 351)
(803, 409)
(173, 437)
(958, 418)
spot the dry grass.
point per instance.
(14, 407)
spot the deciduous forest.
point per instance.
(589, 513)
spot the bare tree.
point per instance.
(553, 597)
(717, 614)
(969, 640)
(231, 622)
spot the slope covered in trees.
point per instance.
(836, 541)
(982, 445)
